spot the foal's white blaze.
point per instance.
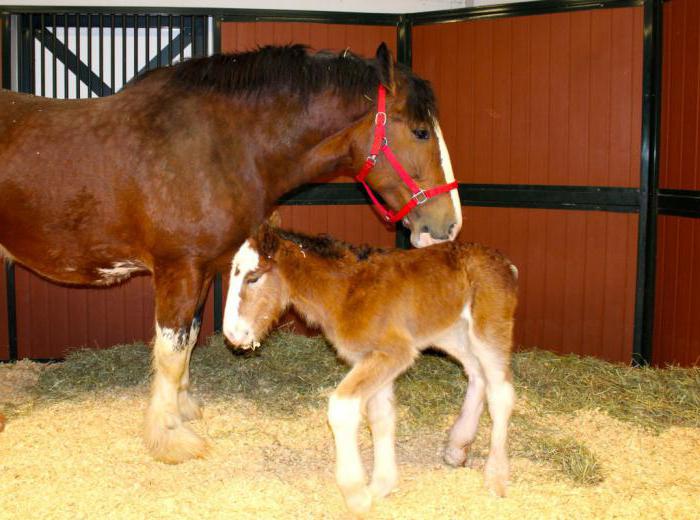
(449, 177)
(245, 261)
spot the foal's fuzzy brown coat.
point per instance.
(380, 309)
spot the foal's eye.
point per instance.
(421, 133)
(252, 278)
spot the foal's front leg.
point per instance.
(382, 422)
(372, 373)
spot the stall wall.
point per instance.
(555, 100)
(4, 340)
(677, 305)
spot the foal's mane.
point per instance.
(325, 246)
(291, 69)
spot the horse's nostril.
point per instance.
(451, 230)
(425, 229)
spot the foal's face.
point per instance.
(254, 299)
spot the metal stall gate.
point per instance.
(551, 112)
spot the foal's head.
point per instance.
(413, 133)
(256, 293)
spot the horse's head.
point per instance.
(415, 140)
(256, 293)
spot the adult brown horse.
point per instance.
(172, 174)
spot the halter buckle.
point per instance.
(420, 197)
(372, 159)
(383, 117)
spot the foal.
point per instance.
(380, 309)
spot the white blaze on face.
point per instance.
(449, 177)
(245, 261)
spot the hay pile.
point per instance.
(588, 439)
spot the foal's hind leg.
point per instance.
(463, 431)
(494, 357)
(190, 407)
(178, 295)
(369, 375)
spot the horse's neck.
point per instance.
(320, 143)
(313, 285)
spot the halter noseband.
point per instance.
(381, 144)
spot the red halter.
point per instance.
(381, 144)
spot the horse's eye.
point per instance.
(421, 133)
(252, 278)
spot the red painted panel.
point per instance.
(680, 124)
(577, 276)
(548, 99)
(4, 338)
(54, 319)
(677, 306)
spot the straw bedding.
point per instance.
(588, 439)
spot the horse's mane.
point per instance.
(325, 246)
(293, 70)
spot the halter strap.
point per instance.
(381, 144)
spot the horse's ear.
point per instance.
(267, 240)
(385, 66)
(275, 220)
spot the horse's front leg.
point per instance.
(179, 294)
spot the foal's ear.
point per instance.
(385, 66)
(275, 220)
(267, 241)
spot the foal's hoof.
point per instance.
(496, 479)
(382, 486)
(359, 500)
(171, 441)
(455, 457)
(190, 407)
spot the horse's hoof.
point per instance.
(382, 486)
(171, 441)
(496, 478)
(455, 457)
(190, 407)
(359, 501)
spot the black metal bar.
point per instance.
(170, 40)
(136, 47)
(102, 56)
(6, 51)
(158, 40)
(642, 349)
(589, 198)
(89, 57)
(518, 9)
(123, 50)
(182, 39)
(148, 42)
(42, 61)
(218, 303)
(402, 238)
(592, 198)
(78, 83)
(26, 65)
(682, 203)
(112, 68)
(11, 310)
(238, 15)
(216, 37)
(54, 81)
(195, 47)
(65, 56)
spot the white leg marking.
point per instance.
(449, 177)
(382, 421)
(501, 399)
(245, 261)
(344, 417)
